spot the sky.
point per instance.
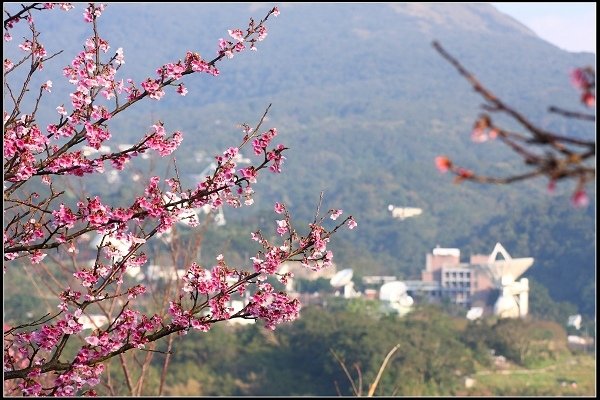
(570, 26)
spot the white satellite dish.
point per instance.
(508, 270)
(575, 321)
(392, 291)
(341, 278)
(474, 313)
(406, 301)
(506, 306)
(394, 295)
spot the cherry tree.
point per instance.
(546, 153)
(51, 354)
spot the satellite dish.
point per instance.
(474, 313)
(506, 306)
(406, 301)
(341, 278)
(392, 291)
(507, 270)
(575, 321)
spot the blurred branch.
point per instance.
(564, 157)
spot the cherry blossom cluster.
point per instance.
(254, 33)
(10, 22)
(273, 307)
(218, 284)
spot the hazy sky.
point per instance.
(570, 26)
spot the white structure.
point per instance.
(514, 298)
(474, 313)
(394, 296)
(446, 252)
(575, 321)
(404, 212)
(92, 321)
(343, 279)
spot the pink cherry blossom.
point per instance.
(588, 99)
(262, 33)
(443, 164)
(282, 227)
(249, 173)
(47, 86)
(237, 34)
(135, 291)
(92, 340)
(551, 186)
(8, 65)
(37, 256)
(182, 89)
(119, 57)
(335, 214)
(279, 208)
(87, 16)
(61, 110)
(580, 199)
(579, 78)
(26, 45)
(479, 135)
(152, 87)
(352, 223)
(64, 217)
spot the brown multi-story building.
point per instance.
(473, 284)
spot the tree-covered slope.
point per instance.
(365, 104)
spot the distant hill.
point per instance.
(365, 104)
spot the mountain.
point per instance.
(365, 104)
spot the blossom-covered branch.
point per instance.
(41, 220)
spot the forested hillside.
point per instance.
(365, 104)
